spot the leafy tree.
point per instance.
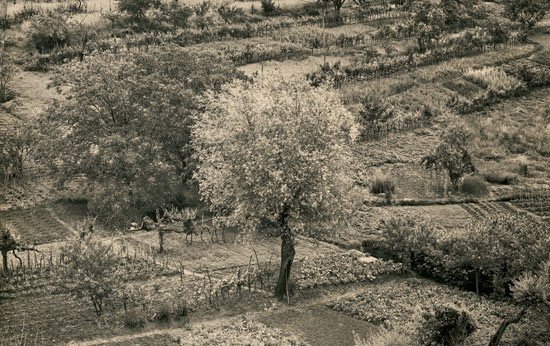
(89, 270)
(47, 33)
(428, 21)
(526, 12)
(452, 155)
(532, 291)
(337, 4)
(9, 244)
(123, 128)
(273, 155)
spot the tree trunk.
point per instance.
(495, 340)
(5, 261)
(161, 240)
(287, 257)
(477, 282)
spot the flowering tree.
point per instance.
(274, 155)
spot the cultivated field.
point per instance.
(157, 156)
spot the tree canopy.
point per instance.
(275, 153)
(123, 128)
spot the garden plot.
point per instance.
(399, 302)
(218, 255)
(36, 226)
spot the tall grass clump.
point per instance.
(382, 183)
(384, 338)
(495, 80)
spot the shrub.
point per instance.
(495, 80)
(134, 319)
(501, 178)
(446, 326)
(268, 7)
(384, 338)
(136, 8)
(47, 33)
(163, 313)
(181, 309)
(382, 184)
(330, 74)
(473, 185)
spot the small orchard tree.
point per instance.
(526, 12)
(8, 243)
(274, 155)
(532, 291)
(89, 270)
(429, 22)
(451, 155)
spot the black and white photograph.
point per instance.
(275, 172)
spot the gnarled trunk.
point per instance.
(287, 255)
(495, 340)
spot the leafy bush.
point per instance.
(163, 313)
(532, 74)
(136, 8)
(181, 309)
(446, 326)
(328, 74)
(47, 33)
(473, 185)
(134, 319)
(501, 178)
(268, 7)
(486, 256)
(340, 269)
(382, 184)
(495, 80)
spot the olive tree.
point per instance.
(273, 155)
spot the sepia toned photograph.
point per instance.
(275, 172)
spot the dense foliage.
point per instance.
(273, 153)
(123, 129)
(451, 155)
(342, 268)
(487, 256)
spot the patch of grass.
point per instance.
(501, 178)
(462, 87)
(542, 57)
